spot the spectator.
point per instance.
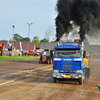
(77, 53)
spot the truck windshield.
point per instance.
(67, 53)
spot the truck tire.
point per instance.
(81, 80)
(48, 61)
(55, 80)
(39, 61)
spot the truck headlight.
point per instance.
(56, 71)
(78, 71)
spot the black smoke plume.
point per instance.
(84, 13)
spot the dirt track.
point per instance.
(38, 85)
(7, 67)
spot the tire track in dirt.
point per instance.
(7, 67)
(39, 86)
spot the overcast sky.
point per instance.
(18, 12)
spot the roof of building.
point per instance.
(49, 46)
(88, 48)
(38, 46)
(17, 45)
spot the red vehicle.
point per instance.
(39, 53)
(32, 53)
(1, 49)
(45, 57)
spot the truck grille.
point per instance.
(67, 65)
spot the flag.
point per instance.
(20, 43)
(48, 38)
(64, 38)
(51, 38)
(8, 44)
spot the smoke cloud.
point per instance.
(83, 13)
(49, 32)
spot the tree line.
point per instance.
(17, 37)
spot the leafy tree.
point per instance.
(26, 39)
(44, 40)
(53, 42)
(36, 40)
(17, 37)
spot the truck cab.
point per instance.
(68, 62)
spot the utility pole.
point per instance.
(28, 37)
(13, 39)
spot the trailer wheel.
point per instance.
(81, 80)
(55, 80)
(84, 76)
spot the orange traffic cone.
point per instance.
(14, 58)
(24, 57)
(4, 59)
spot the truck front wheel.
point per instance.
(40, 62)
(55, 80)
(81, 80)
(48, 61)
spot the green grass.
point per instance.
(16, 57)
(44, 67)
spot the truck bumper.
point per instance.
(67, 75)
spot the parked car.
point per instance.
(39, 53)
(32, 53)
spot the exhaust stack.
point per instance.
(59, 43)
(82, 45)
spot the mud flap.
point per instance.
(87, 72)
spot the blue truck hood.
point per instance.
(67, 64)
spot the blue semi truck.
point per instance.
(68, 62)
